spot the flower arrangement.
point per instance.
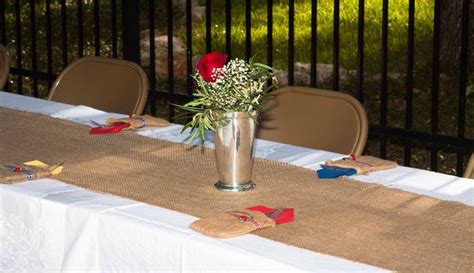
(224, 87)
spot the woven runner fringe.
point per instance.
(367, 223)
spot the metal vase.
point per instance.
(234, 152)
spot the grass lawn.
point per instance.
(398, 26)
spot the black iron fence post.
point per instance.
(131, 30)
(3, 28)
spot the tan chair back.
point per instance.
(315, 118)
(4, 66)
(110, 85)
(469, 172)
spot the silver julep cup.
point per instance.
(234, 152)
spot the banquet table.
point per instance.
(49, 225)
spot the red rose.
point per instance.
(208, 62)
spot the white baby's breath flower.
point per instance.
(238, 86)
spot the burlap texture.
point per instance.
(363, 164)
(9, 176)
(228, 225)
(367, 223)
(137, 124)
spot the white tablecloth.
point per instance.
(48, 225)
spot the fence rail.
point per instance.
(68, 30)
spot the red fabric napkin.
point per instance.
(113, 128)
(279, 215)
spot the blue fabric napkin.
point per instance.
(328, 172)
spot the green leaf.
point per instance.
(469, 90)
(264, 66)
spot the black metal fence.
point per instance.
(45, 36)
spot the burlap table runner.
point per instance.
(367, 223)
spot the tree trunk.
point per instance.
(450, 43)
